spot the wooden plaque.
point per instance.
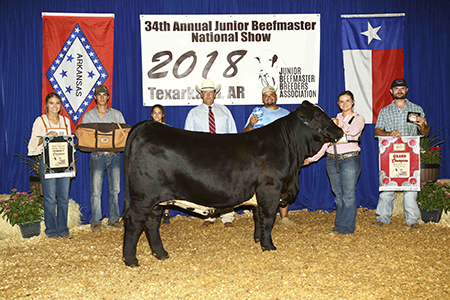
(58, 157)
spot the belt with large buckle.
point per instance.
(343, 156)
(108, 153)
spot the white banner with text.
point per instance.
(243, 53)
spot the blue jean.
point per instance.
(98, 164)
(386, 204)
(343, 185)
(56, 204)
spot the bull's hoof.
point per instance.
(257, 240)
(268, 248)
(133, 263)
(161, 257)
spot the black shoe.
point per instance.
(166, 218)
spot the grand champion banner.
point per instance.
(243, 53)
(399, 163)
(77, 57)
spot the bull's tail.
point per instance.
(126, 196)
(133, 133)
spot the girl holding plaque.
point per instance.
(56, 190)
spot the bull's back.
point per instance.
(199, 167)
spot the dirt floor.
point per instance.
(389, 262)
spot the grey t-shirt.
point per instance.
(111, 116)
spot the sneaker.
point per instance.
(286, 222)
(378, 223)
(67, 236)
(228, 224)
(117, 224)
(207, 223)
(166, 218)
(415, 226)
(96, 228)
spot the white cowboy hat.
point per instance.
(208, 85)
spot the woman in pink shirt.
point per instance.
(344, 167)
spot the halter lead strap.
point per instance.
(336, 157)
(320, 130)
(311, 125)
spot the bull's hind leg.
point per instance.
(134, 220)
(257, 220)
(153, 235)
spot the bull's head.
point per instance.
(315, 118)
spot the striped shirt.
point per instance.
(391, 118)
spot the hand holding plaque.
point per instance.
(413, 117)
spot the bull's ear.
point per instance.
(304, 108)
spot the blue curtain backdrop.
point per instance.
(426, 70)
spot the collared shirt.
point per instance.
(197, 119)
(269, 115)
(111, 116)
(391, 118)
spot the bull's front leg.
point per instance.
(267, 214)
(153, 235)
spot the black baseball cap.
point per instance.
(398, 82)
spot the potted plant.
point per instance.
(430, 157)
(34, 163)
(25, 209)
(433, 199)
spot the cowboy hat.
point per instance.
(208, 85)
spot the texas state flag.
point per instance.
(77, 57)
(373, 58)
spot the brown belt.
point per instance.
(343, 156)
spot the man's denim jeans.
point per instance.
(386, 204)
(98, 164)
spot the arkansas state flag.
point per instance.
(77, 57)
(373, 58)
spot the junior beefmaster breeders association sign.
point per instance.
(243, 53)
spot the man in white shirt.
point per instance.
(213, 118)
(197, 118)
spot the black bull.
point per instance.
(217, 171)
